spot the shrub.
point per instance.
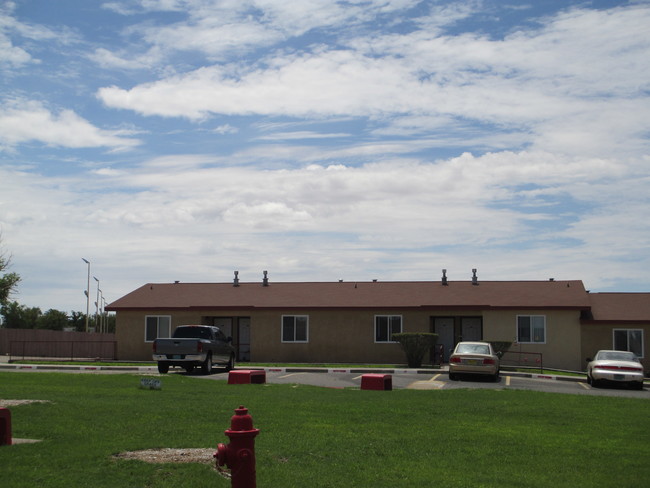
(415, 345)
(500, 347)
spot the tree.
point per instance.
(18, 316)
(8, 281)
(415, 345)
(53, 320)
(78, 321)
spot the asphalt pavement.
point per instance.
(400, 378)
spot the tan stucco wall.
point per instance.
(600, 336)
(341, 336)
(334, 336)
(130, 332)
(562, 347)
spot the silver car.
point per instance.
(474, 358)
(616, 367)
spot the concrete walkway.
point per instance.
(5, 365)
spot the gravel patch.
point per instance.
(15, 403)
(171, 455)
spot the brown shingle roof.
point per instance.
(380, 294)
(620, 307)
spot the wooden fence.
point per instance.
(33, 343)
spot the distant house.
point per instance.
(352, 322)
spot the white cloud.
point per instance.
(280, 136)
(225, 129)
(12, 31)
(213, 40)
(27, 120)
(229, 29)
(394, 220)
(331, 140)
(12, 55)
(107, 59)
(515, 82)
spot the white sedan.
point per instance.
(616, 367)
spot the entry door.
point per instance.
(225, 324)
(244, 343)
(471, 328)
(444, 327)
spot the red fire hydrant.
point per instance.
(239, 454)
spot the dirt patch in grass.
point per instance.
(170, 455)
(16, 403)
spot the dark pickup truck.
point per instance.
(194, 345)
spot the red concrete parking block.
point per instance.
(376, 382)
(246, 376)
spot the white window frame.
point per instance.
(627, 331)
(531, 329)
(158, 334)
(294, 341)
(390, 329)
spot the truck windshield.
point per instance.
(192, 333)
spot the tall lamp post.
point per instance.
(97, 305)
(87, 292)
(101, 311)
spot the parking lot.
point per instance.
(440, 381)
(400, 379)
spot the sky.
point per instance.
(321, 140)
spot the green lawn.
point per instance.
(316, 437)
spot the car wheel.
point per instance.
(495, 378)
(638, 385)
(163, 368)
(588, 380)
(189, 369)
(207, 365)
(231, 364)
(453, 377)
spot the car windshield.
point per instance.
(617, 356)
(473, 349)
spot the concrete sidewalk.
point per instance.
(5, 365)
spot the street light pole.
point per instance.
(87, 292)
(97, 305)
(101, 311)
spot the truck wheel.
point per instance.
(163, 368)
(207, 365)
(231, 364)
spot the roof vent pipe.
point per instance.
(474, 277)
(236, 280)
(265, 280)
(444, 277)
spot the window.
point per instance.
(157, 326)
(531, 329)
(629, 340)
(295, 328)
(386, 326)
